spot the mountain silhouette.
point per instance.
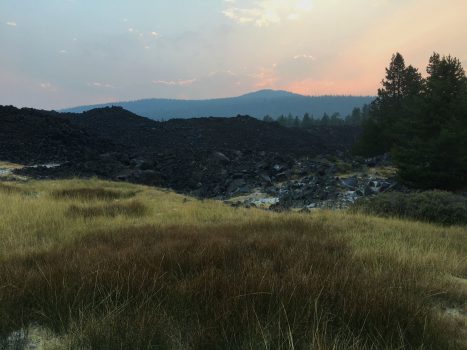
(256, 104)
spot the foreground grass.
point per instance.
(99, 265)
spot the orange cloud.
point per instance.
(330, 87)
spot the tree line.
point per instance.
(357, 117)
(422, 122)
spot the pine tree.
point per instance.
(325, 120)
(355, 118)
(282, 120)
(393, 86)
(401, 86)
(306, 121)
(433, 150)
(297, 122)
(335, 119)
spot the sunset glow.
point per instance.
(61, 53)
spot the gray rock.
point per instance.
(282, 177)
(351, 182)
(278, 167)
(236, 185)
(266, 178)
(221, 157)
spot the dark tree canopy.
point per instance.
(401, 85)
(422, 122)
(433, 150)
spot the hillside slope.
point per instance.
(32, 136)
(257, 104)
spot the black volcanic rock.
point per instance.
(31, 136)
(209, 134)
(206, 157)
(117, 125)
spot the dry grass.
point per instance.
(7, 188)
(131, 208)
(185, 274)
(8, 165)
(89, 194)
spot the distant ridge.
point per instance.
(269, 93)
(256, 104)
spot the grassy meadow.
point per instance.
(88, 264)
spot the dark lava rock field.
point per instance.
(242, 160)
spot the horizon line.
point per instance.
(205, 99)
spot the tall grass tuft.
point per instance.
(10, 189)
(282, 285)
(132, 208)
(90, 194)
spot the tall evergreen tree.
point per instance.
(297, 122)
(355, 117)
(393, 85)
(432, 152)
(307, 121)
(282, 120)
(400, 88)
(325, 120)
(335, 119)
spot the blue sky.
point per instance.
(62, 53)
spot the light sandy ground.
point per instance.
(6, 171)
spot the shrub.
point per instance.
(433, 206)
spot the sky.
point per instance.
(63, 53)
